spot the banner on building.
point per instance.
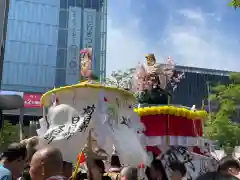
(89, 25)
(32, 100)
(74, 35)
(89, 29)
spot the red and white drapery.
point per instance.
(168, 130)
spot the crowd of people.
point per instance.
(47, 164)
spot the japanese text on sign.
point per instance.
(73, 49)
(73, 45)
(79, 123)
(32, 100)
(89, 28)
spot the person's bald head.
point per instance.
(46, 162)
(50, 154)
(129, 173)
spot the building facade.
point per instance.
(44, 39)
(82, 24)
(4, 7)
(193, 89)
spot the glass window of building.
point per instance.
(82, 23)
(62, 38)
(61, 58)
(63, 18)
(47, 37)
(72, 2)
(63, 4)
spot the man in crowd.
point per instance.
(229, 166)
(216, 176)
(178, 170)
(12, 161)
(46, 164)
(67, 169)
(129, 173)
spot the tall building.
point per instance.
(44, 39)
(193, 89)
(4, 7)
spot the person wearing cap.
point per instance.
(12, 161)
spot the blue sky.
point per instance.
(201, 33)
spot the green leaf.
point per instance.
(10, 134)
(220, 126)
(234, 3)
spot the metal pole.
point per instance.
(21, 133)
(209, 101)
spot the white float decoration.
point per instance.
(86, 106)
(173, 133)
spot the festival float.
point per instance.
(172, 132)
(89, 110)
(83, 117)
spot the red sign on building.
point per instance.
(32, 100)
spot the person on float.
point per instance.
(46, 164)
(12, 161)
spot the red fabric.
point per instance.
(82, 157)
(179, 126)
(155, 150)
(197, 150)
(158, 125)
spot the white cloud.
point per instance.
(125, 47)
(196, 42)
(192, 15)
(201, 44)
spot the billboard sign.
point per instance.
(2, 92)
(89, 28)
(32, 100)
(74, 35)
(89, 25)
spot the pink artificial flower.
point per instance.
(84, 51)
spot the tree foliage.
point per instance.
(220, 125)
(121, 79)
(235, 3)
(9, 134)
